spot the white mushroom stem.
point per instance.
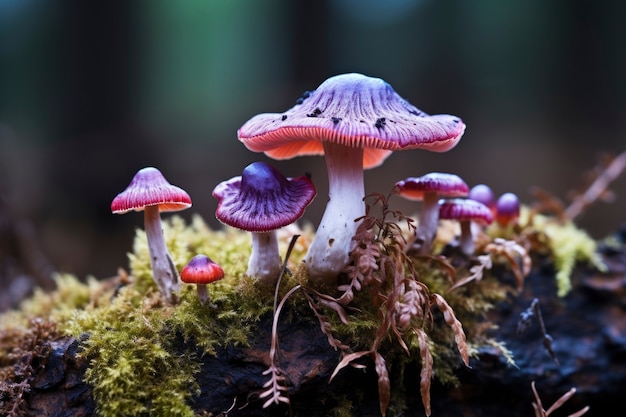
(203, 293)
(163, 271)
(264, 262)
(428, 222)
(466, 240)
(328, 254)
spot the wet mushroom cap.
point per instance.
(149, 188)
(443, 184)
(201, 270)
(355, 111)
(262, 199)
(462, 209)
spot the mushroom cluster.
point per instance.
(355, 121)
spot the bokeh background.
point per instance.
(90, 92)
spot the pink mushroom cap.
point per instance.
(150, 188)
(442, 184)
(355, 111)
(462, 209)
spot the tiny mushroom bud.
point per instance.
(260, 201)
(430, 188)
(356, 122)
(483, 194)
(507, 209)
(149, 191)
(201, 270)
(465, 211)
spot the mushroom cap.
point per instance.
(443, 184)
(483, 194)
(150, 188)
(201, 270)
(353, 110)
(464, 209)
(507, 208)
(262, 199)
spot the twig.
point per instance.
(597, 188)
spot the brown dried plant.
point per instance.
(541, 412)
(404, 304)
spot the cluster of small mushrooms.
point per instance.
(355, 121)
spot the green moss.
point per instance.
(562, 240)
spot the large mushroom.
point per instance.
(356, 122)
(151, 193)
(260, 201)
(429, 189)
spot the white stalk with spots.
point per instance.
(328, 254)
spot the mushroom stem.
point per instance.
(466, 240)
(428, 222)
(328, 254)
(203, 294)
(164, 274)
(264, 263)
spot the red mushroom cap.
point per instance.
(355, 111)
(201, 270)
(149, 188)
(445, 185)
(262, 199)
(462, 209)
(507, 209)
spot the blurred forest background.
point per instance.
(90, 92)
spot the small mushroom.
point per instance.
(465, 211)
(358, 121)
(507, 209)
(483, 194)
(151, 192)
(260, 201)
(201, 270)
(430, 188)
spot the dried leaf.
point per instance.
(384, 386)
(455, 325)
(426, 374)
(347, 359)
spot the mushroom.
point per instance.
(151, 192)
(430, 188)
(507, 209)
(356, 122)
(201, 270)
(260, 201)
(465, 211)
(483, 194)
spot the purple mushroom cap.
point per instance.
(353, 110)
(507, 209)
(462, 209)
(442, 184)
(262, 199)
(483, 194)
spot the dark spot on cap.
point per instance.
(303, 97)
(315, 113)
(414, 112)
(456, 120)
(284, 117)
(335, 120)
(330, 242)
(380, 123)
